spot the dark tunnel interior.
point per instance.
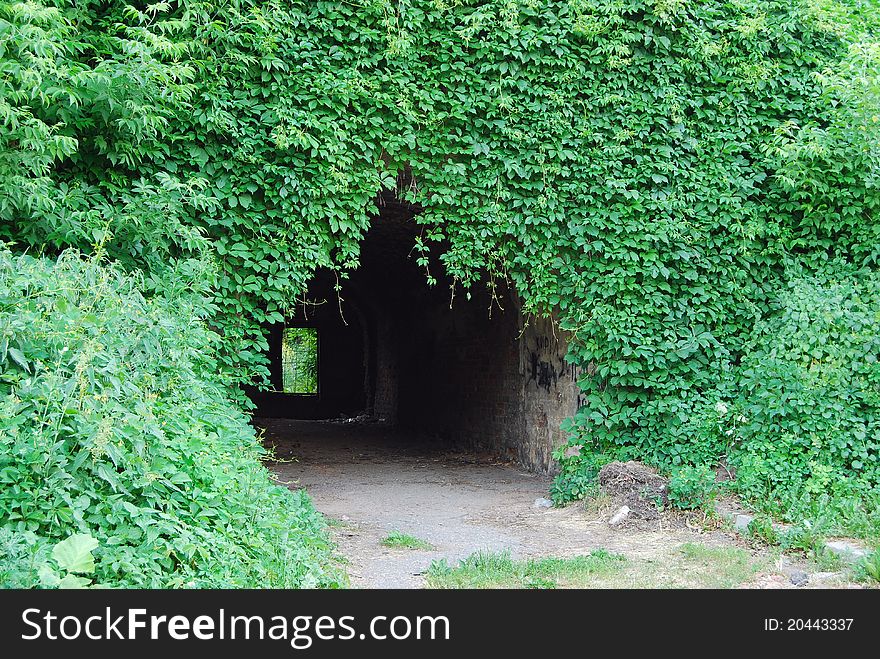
(395, 350)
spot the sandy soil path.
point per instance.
(370, 481)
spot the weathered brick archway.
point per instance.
(468, 372)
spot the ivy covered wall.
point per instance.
(652, 171)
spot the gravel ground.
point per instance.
(369, 481)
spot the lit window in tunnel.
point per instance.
(299, 360)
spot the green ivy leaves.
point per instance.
(642, 169)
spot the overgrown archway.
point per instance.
(466, 371)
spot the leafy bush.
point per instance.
(804, 536)
(810, 391)
(799, 418)
(22, 557)
(692, 487)
(114, 424)
(868, 569)
(578, 476)
(761, 528)
(572, 485)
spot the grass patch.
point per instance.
(398, 540)
(118, 426)
(598, 505)
(719, 567)
(691, 565)
(499, 570)
(868, 569)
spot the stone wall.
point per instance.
(549, 392)
(486, 380)
(385, 381)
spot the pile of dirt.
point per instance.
(636, 486)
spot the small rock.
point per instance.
(619, 516)
(723, 473)
(847, 550)
(541, 502)
(798, 577)
(741, 522)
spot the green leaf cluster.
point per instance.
(809, 438)
(117, 437)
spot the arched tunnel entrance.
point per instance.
(390, 348)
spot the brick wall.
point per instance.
(385, 382)
(549, 392)
(488, 381)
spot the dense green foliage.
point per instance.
(113, 423)
(809, 399)
(670, 178)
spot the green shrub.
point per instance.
(578, 476)
(810, 395)
(27, 561)
(114, 424)
(808, 538)
(572, 486)
(798, 420)
(868, 569)
(692, 487)
(761, 528)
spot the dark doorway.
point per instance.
(392, 349)
(331, 341)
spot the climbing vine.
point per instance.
(651, 171)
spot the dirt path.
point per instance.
(370, 482)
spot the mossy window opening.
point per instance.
(299, 360)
